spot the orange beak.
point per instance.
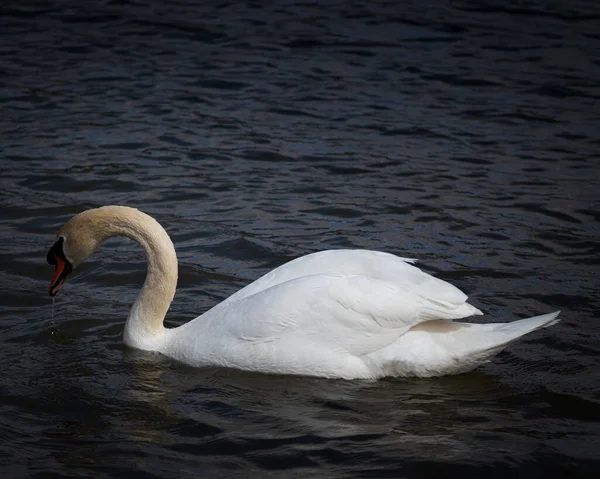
(62, 267)
(61, 271)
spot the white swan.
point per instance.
(340, 313)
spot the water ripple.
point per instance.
(464, 135)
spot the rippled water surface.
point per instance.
(465, 134)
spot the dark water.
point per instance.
(463, 133)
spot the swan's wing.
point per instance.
(355, 313)
(342, 261)
(373, 264)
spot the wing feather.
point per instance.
(357, 313)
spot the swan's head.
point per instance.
(75, 242)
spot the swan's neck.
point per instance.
(144, 328)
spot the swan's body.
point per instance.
(338, 313)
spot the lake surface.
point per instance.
(465, 134)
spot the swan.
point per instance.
(336, 314)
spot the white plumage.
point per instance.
(337, 313)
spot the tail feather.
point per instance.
(524, 326)
(439, 347)
(502, 334)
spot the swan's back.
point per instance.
(373, 264)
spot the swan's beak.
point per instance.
(62, 267)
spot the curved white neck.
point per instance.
(144, 326)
